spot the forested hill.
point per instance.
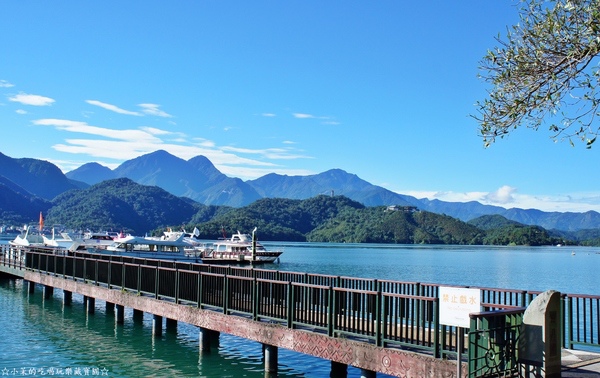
(341, 220)
(122, 204)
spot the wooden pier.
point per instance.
(374, 325)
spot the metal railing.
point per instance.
(382, 312)
(493, 343)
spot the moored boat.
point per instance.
(163, 248)
(29, 237)
(239, 249)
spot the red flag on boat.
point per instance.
(41, 222)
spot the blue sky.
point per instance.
(380, 89)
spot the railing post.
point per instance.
(570, 322)
(122, 275)
(225, 294)
(156, 281)
(437, 347)
(96, 273)
(139, 279)
(199, 292)
(176, 285)
(254, 297)
(378, 316)
(84, 274)
(291, 307)
(108, 274)
(331, 314)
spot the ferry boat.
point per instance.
(173, 247)
(239, 249)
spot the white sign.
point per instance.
(456, 303)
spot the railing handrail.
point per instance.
(580, 312)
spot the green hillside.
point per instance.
(120, 204)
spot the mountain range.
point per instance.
(25, 180)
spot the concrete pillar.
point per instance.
(67, 297)
(31, 286)
(271, 358)
(120, 318)
(48, 291)
(91, 305)
(208, 338)
(171, 325)
(110, 307)
(138, 315)
(338, 370)
(157, 325)
(364, 373)
(540, 341)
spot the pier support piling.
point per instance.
(364, 373)
(171, 325)
(338, 370)
(110, 307)
(67, 297)
(48, 291)
(157, 325)
(271, 358)
(208, 337)
(120, 318)
(91, 305)
(138, 315)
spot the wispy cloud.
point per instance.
(153, 109)
(30, 99)
(112, 108)
(120, 145)
(142, 136)
(508, 197)
(325, 119)
(270, 153)
(268, 114)
(146, 109)
(5, 84)
(21, 111)
(303, 115)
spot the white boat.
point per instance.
(164, 248)
(92, 240)
(62, 239)
(29, 237)
(239, 250)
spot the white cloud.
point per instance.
(134, 135)
(501, 196)
(5, 84)
(507, 197)
(268, 114)
(105, 143)
(29, 99)
(155, 131)
(303, 115)
(20, 111)
(270, 153)
(153, 109)
(112, 108)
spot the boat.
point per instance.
(29, 237)
(239, 249)
(173, 247)
(92, 240)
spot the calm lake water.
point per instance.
(43, 337)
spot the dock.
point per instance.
(375, 325)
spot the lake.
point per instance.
(44, 336)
